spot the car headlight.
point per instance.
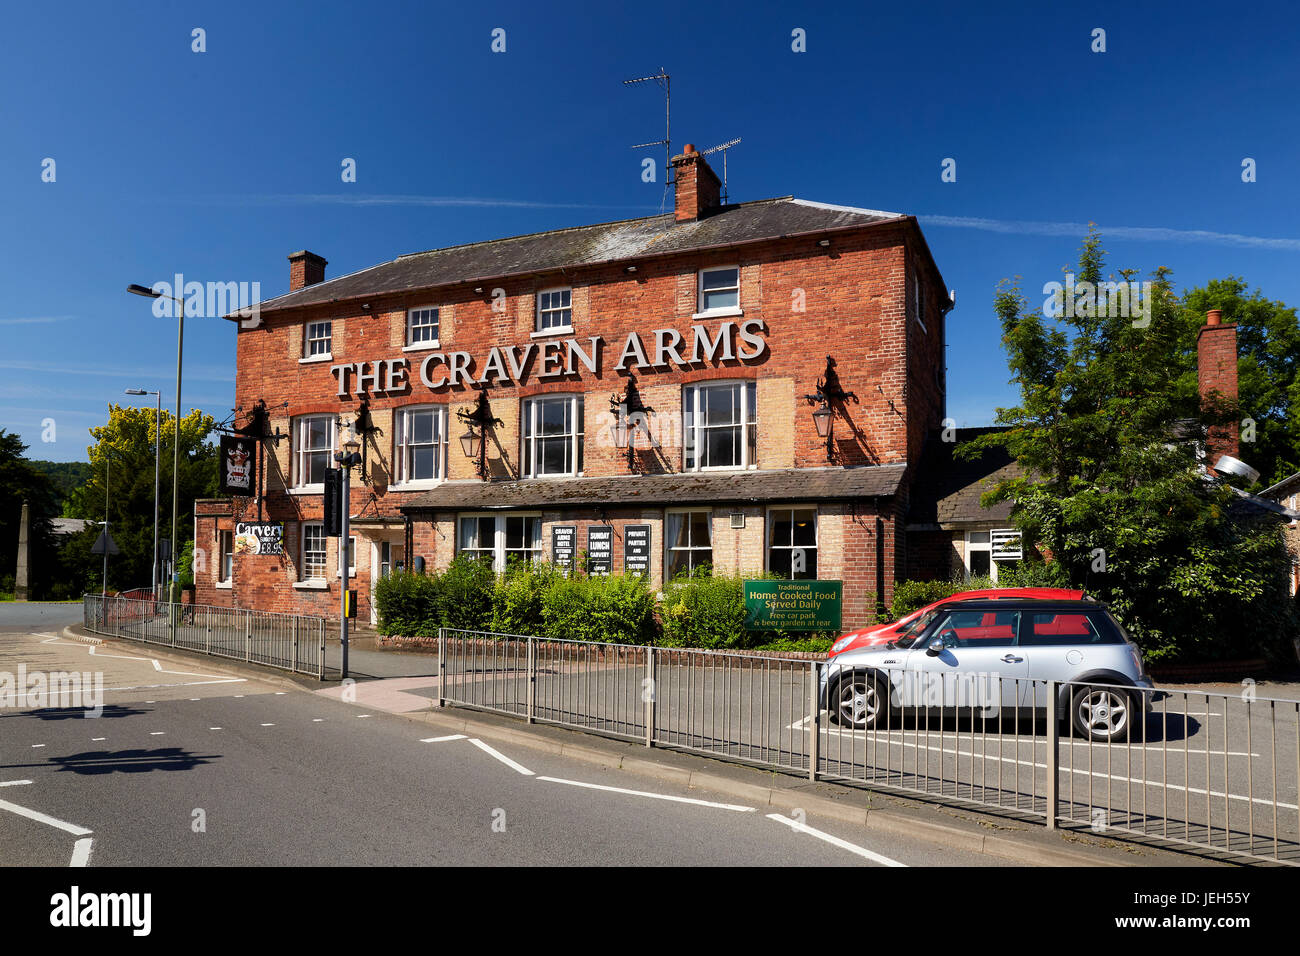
(842, 643)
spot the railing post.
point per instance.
(650, 693)
(1053, 755)
(248, 635)
(442, 667)
(814, 721)
(531, 704)
(171, 615)
(320, 675)
(293, 628)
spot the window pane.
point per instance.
(701, 529)
(721, 300)
(722, 405)
(719, 279)
(424, 463)
(805, 528)
(978, 537)
(781, 532)
(979, 563)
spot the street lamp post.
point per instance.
(347, 458)
(176, 443)
(157, 455)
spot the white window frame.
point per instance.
(769, 547)
(529, 440)
(920, 302)
(700, 310)
(985, 547)
(692, 547)
(424, 343)
(309, 340)
(401, 447)
(500, 520)
(538, 328)
(693, 434)
(299, 451)
(323, 551)
(225, 558)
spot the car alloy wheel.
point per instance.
(1102, 713)
(857, 701)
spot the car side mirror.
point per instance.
(935, 647)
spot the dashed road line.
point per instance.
(14, 783)
(81, 852)
(438, 740)
(653, 796)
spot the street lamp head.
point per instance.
(136, 391)
(148, 293)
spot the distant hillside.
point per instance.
(66, 475)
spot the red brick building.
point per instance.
(701, 332)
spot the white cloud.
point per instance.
(1147, 233)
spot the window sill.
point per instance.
(224, 585)
(314, 359)
(423, 484)
(547, 333)
(316, 584)
(308, 490)
(719, 313)
(422, 346)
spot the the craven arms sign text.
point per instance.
(555, 358)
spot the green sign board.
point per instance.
(793, 605)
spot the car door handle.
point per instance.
(1011, 659)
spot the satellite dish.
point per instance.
(1234, 468)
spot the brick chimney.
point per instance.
(1216, 373)
(305, 268)
(698, 187)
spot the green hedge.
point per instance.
(618, 609)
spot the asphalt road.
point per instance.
(190, 767)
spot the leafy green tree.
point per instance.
(125, 446)
(66, 475)
(20, 481)
(1112, 490)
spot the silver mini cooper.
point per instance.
(995, 656)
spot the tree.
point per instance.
(19, 482)
(1112, 489)
(125, 445)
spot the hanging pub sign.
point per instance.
(259, 537)
(238, 465)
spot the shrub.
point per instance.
(519, 597)
(1032, 574)
(704, 612)
(408, 604)
(465, 594)
(618, 609)
(818, 645)
(910, 595)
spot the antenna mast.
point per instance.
(662, 79)
(724, 147)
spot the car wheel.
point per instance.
(1103, 714)
(859, 701)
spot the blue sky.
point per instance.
(219, 164)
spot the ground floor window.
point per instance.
(313, 552)
(688, 540)
(792, 542)
(225, 547)
(390, 557)
(986, 551)
(501, 539)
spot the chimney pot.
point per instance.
(1214, 317)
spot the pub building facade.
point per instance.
(748, 386)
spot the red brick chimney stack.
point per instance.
(1216, 372)
(305, 268)
(698, 186)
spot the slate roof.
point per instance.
(947, 489)
(585, 246)
(787, 484)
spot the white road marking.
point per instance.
(359, 716)
(94, 739)
(81, 852)
(45, 818)
(14, 783)
(833, 840)
(268, 725)
(500, 756)
(37, 746)
(438, 740)
(214, 728)
(280, 693)
(317, 720)
(652, 796)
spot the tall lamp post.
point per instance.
(176, 443)
(157, 454)
(347, 459)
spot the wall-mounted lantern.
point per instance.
(828, 394)
(479, 421)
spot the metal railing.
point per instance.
(1213, 771)
(287, 641)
